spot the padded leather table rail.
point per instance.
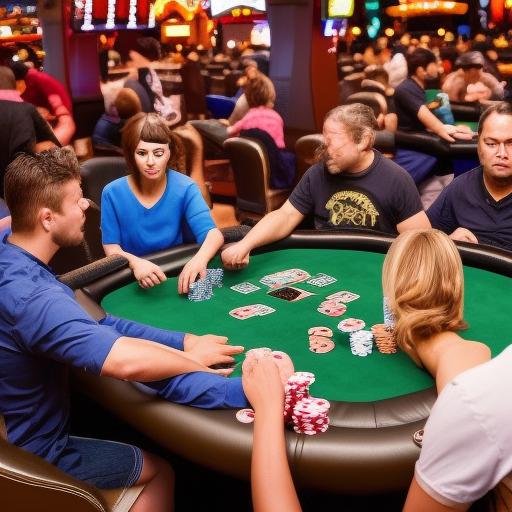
(377, 401)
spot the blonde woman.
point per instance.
(156, 207)
(423, 281)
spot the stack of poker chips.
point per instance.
(388, 317)
(202, 289)
(215, 276)
(384, 339)
(297, 388)
(361, 342)
(310, 416)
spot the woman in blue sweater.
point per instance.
(155, 207)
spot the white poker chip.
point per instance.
(351, 325)
(245, 415)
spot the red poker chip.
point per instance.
(245, 415)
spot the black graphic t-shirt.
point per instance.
(377, 198)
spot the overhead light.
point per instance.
(426, 8)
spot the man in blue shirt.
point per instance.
(477, 205)
(43, 330)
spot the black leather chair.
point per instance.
(98, 172)
(251, 171)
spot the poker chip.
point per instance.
(417, 437)
(297, 388)
(320, 331)
(384, 339)
(311, 416)
(351, 325)
(215, 275)
(320, 344)
(245, 415)
(361, 342)
(388, 317)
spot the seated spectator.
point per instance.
(397, 66)
(50, 97)
(377, 81)
(107, 132)
(156, 207)
(194, 90)
(261, 95)
(477, 206)
(352, 187)
(470, 71)
(22, 130)
(414, 115)
(147, 86)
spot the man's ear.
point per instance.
(46, 218)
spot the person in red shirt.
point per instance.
(50, 97)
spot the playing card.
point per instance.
(332, 310)
(321, 280)
(289, 293)
(344, 296)
(243, 312)
(245, 287)
(262, 309)
(283, 277)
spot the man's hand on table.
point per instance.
(211, 350)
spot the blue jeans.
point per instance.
(418, 165)
(103, 464)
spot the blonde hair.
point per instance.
(423, 281)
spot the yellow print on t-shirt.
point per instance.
(349, 207)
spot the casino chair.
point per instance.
(29, 483)
(251, 172)
(305, 149)
(98, 172)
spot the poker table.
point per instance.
(377, 401)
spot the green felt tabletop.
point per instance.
(339, 374)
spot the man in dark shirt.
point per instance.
(353, 187)
(477, 205)
(414, 115)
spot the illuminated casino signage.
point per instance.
(409, 8)
(91, 15)
(221, 8)
(340, 8)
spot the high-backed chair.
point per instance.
(100, 171)
(251, 172)
(305, 149)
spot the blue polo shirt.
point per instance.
(43, 331)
